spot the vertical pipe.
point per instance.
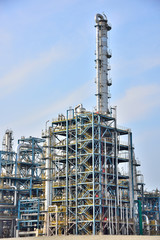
(123, 219)
(0, 162)
(127, 218)
(38, 214)
(140, 217)
(105, 149)
(110, 216)
(121, 203)
(131, 186)
(47, 182)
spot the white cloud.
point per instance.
(11, 81)
(138, 102)
(134, 67)
(58, 106)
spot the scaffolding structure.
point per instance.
(20, 178)
(87, 181)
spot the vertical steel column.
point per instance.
(100, 171)
(131, 186)
(33, 154)
(38, 214)
(76, 176)
(30, 191)
(93, 175)
(140, 217)
(19, 215)
(67, 135)
(159, 207)
(16, 166)
(0, 162)
(116, 174)
(1, 228)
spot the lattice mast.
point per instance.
(102, 64)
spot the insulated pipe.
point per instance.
(156, 225)
(15, 195)
(24, 145)
(99, 16)
(127, 218)
(110, 216)
(78, 106)
(116, 216)
(147, 222)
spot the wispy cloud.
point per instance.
(134, 67)
(138, 102)
(76, 96)
(18, 76)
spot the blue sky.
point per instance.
(47, 65)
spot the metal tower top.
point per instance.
(102, 66)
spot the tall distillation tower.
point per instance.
(102, 64)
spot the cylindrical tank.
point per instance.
(8, 141)
(102, 66)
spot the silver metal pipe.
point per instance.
(121, 204)
(127, 218)
(110, 216)
(24, 145)
(116, 216)
(147, 222)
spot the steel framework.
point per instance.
(87, 181)
(151, 212)
(20, 178)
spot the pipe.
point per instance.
(156, 225)
(15, 195)
(24, 145)
(121, 204)
(110, 216)
(127, 218)
(147, 222)
(80, 107)
(99, 16)
(116, 216)
(15, 199)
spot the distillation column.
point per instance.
(102, 67)
(8, 141)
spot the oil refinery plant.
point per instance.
(71, 181)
